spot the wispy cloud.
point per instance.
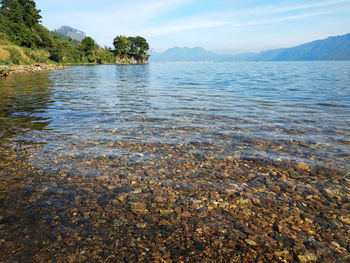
(270, 9)
(201, 24)
(246, 17)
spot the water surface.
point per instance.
(295, 111)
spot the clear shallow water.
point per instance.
(156, 143)
(294, 111)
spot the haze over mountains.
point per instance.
(332, 48)
(177, 54)
(73, 33)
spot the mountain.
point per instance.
(73, 33)
(332, 48)
(186, 54)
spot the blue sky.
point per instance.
(224, 26)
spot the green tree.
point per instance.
(21, 11)
(31, 15)
(139, 48)
(19, 19)
(20, 24)
(12, 10)
(3, 25)
(88, 45)
(122, 46)
(56, 52)
(44, 36)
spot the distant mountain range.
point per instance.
(332, 48)
(73, 33)
(177, 54)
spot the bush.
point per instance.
(16, 57)
(44, 37)
(105, 56)
(38, 56)
(3, 39)
(56, 53)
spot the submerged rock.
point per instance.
(139, 208)
(307, 257)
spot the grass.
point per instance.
(11, 54)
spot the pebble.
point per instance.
(345, 219)
(251, 242)
(335, 244)
(102, 178)
(139, 208)
(231, 191)
(141, 225)
(165, 211)
(303, 166)
(186, 214)
(274, 188)
(164, 222)
(307, 257)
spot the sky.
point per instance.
(224, 26)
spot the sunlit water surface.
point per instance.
(275, 111)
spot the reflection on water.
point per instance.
(275, 111)
(131, 90)
(25, 99)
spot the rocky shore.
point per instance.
(170, 204)
(9, 70)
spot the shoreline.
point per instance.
(16, 69)
(6, 71)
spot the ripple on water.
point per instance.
(266, 109)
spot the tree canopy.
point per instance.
(88, 45)
(20, 20)
(131, 47)
(122, 45)
(20, 24)
(21, 11)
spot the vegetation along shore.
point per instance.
(24, 41)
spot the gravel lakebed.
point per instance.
(170, 203)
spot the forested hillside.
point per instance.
(332, 48)
(24, 40)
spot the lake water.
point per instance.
(180, 162)
(276, 111)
